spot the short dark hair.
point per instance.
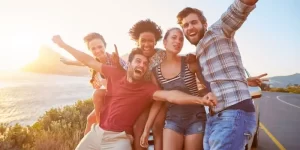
(188, 10)
(134, 52)
(145, 26)
(91, 36)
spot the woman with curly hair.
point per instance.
(146, 34)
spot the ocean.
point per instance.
(24, 97)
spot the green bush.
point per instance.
(57, 129)
(288, 89)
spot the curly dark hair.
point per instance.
(145, 26)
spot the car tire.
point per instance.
(255, 138)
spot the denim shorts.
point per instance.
(186, 125)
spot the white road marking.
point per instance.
(286, 102)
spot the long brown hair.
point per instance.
(88, 38)
(93, 73)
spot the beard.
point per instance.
(200, 35)
(130, 75)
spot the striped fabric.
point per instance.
(189, 79)
(155, 60)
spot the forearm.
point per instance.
(80, 56)
(181, 98)
(177, 97)
(152, 115)
(74, 63)
(84, 58)
(236, 15)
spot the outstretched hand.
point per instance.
(257, 80)
(115, 57)
(64, 60)
(57, 40)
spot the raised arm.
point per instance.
(236, 15)
(249, 2)
(71, 62)
(80, 56)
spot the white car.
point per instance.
(256, 93)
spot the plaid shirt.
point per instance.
(109, 61)
(155, 60)
(220, 58)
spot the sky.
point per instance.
(269, 40)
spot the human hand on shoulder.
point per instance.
(190, 58)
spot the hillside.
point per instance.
(283, 81)
(48, 62)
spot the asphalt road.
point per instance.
(280, 115)
(280, 118)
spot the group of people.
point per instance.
(156, 89)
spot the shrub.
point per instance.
(57, 129)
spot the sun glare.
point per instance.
(18, 50)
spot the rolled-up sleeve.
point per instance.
(235, 16)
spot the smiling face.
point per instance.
(96, 44)
(193, 28)
(137, 67)
(147, 43)
(97, 47)
(173, 40)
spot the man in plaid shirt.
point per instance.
(232, 122)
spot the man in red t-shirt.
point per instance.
(128, 94)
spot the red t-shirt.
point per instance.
(124, 101)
